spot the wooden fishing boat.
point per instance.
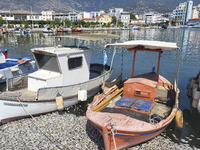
(63, 72)
(139, 108)
(14, 67)
(62, 30)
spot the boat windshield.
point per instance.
(47, 62)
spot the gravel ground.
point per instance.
(66, 131)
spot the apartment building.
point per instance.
(183, 13)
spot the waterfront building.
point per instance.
(92, 14)
(48, 15)
(137, 21)
(152, 18)
(104, 19)
(125, 18)
(183, 13)
(196, 11)
(61, 16)
(116, 12)
(74, 16)
(20, 15)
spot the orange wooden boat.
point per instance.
(139, 108)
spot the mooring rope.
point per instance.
(45, 134)
(112, 125)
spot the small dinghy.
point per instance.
(139, 108)
(14, 67)
(64, 78)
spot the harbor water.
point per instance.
(188, 39)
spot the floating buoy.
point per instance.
(59, 102)
(179, 119)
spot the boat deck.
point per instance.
(134, 114)
(21, 94)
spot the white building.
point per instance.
(196, 11)
(125, 18)
(152, 18)
(6, 15)
(183, 12)
(61, 16)
(92, 14)
(116, 12)
(48, 15)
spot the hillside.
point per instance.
(136, 6)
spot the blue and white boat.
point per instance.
(14, 67)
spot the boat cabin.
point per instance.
(59, 66)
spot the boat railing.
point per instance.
(17, 83)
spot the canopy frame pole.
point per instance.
(158, 68)
(133, 63)
(122, 61)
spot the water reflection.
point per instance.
(187, 39)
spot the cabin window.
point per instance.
(74, 62)
(47, 62)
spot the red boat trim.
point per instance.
(139, 134)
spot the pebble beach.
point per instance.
(67, 131)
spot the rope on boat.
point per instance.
(112, 125)
(43, 132)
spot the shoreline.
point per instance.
(66, 131)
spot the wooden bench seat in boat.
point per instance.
(129, 113)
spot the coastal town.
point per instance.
(185, 14)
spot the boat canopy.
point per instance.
(153, 45)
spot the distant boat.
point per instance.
(77, 30)
(63, 71)
(24, 31)
(48, 30)
(135, 28)
(139, 108)
(62, 30)
(14, 67)
(125, 28)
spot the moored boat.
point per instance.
(139, 108)
(193, 91)
(14, 67)
(63, 72)
(77, 30)
(62, 30)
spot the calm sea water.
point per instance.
(187, 39)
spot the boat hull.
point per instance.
(12, 109)
(125, 139)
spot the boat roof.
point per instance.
(59, 50)
(145, 44)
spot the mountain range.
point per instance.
(134, 6)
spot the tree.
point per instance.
(120, 24)
(2, 21)
(114, 20)
(132, 16)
